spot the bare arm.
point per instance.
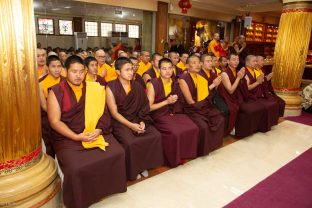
(227, 84)
(243, 47)
(146, 77)
(216, 82)
(186, 92)
(54, 115)
(151, 97)
(43, 101)
(112, 106)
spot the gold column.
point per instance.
(291, 52)
(28, 178)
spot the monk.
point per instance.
(251, 114)
(136, 76)
(267, 86)
(92, 161)
(182, 62)
(213, 44)
(92, 71)
(41, 62)
(152, 72)
(215, 86)
(222, 63)
(174, 57)
(199, 107)
(144, 63)
(53, 77)
(255, 88)
(215, 67)
(132, 124)
(179, 133)
(104, 70)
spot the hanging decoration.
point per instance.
(185, 5)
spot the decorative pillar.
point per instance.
(291, 52)
(28, 178)
(161, 26)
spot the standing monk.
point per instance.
(132, 124)
(92, 161)
(179, 133)
(198, 105)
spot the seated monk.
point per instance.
(182, 62)
(92, 71)
(215, 86)
(153, 71)
(136, 76)
(175, 58)
(179, 133)
(144, 63)
(200, 109)
(267, 86)
(104, 70)
(251, 114)
(53, 77)
(92, 160)
(255, 88)
(215, 68)
(132, 124)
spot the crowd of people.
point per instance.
(109, 121)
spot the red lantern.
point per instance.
(185, 5)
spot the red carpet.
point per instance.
(288, 187)
(304, 118)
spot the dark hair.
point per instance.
(52, 58)
(154, 56)
(88, 60)
(122, 61)
(72, 60)
(192, 56)
(164, 60)
(230, 55)
(221, 57)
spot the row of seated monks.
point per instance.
(105, 133)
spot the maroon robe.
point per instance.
(269, 93)
(151, 73)
(271, 106)
(140, 80)
(207, 117)
(179, 133)
(46, 128)
(143, 151)
(220, 102)
(178, 71)
(251, 114)
(89, 174)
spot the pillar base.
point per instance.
(37, 186)
(293, 102)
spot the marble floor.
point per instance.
(220, 177)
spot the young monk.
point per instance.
(53, 77)
(215, 68)
(152, 72)
(92, 161)
(182, 62)
(132, 127)
(199, 107)
(215, 86)
(136, 76)
(179, 133)
(251, 114)
(223, 63)
(267, 86)
(255, 88)
(175, 58)
(92, 71)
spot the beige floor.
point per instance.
(216, 179)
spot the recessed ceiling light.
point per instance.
(67, 7)
(56, 9)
